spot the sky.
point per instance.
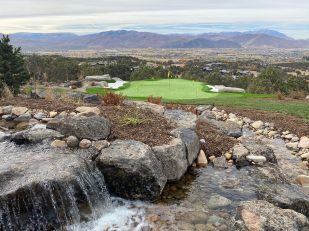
(161, 16)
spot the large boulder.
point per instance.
(261, 215)
(181, 118)
(35, 135)
(173, 158)
(191, 141)
(92, 128)
(46, 189)
(131, 170)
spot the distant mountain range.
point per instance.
(134, 39)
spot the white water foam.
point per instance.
(121, 216)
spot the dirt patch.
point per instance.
(282, 122)
(217, 143)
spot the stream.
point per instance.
(47, 189)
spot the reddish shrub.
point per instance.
(111, 98)
(155, 100)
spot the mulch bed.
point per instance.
(282, 122)
(154, 129)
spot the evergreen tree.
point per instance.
(12, 70)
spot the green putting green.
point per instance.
(191, 92)
(168, 89)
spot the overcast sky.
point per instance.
(164, 16)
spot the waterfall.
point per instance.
(67, 196)
(51, 205)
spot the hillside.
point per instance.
(134, 39)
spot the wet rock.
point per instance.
(18, 111)
(181, 118)
(37, 180)
(284, 195)
(304, 142)
(191, 141)
(84, 144)
(217, 201)
(185, 226)
(220, 162)
(35, 135)
(204, 227)
(88, 111)
(215, 220)
(131, 170)
(173, 158)
(92, 128)
(58, 144)
(239, 155)
(257, 124)
(72, 141)
(259, 149)
(261, 215)
(201, 159)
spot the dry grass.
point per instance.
(50, 95)
(7, 93)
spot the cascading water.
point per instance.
(46, 189)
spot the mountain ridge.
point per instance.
(135, 39)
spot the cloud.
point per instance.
(81, 16)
